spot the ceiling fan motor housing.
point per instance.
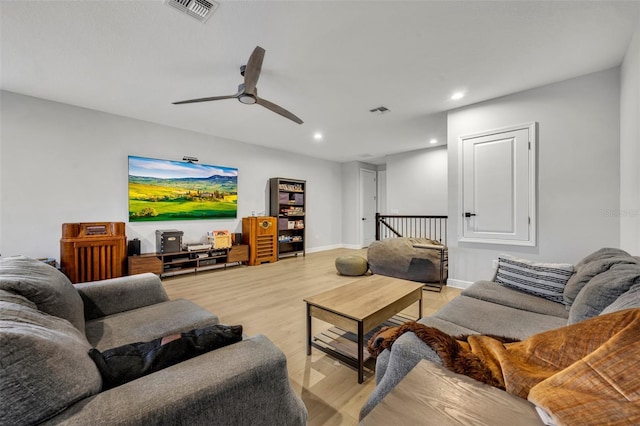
(247, 98)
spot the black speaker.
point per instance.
(133, 248)
(237, 238)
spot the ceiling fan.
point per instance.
(247, 91)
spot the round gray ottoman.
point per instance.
(352, 265)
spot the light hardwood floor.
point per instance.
(268, 299)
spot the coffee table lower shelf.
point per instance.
(343, 345)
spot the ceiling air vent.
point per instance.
(199, 9)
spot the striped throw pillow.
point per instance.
(545, 280)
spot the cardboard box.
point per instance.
(219, 239)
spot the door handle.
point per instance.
(364, 218)
(467, 214)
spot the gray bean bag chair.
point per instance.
(397, 257)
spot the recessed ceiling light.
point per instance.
(317, 136)
(433, 141)
(457, 95)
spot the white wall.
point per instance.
(61, 163)
(630, 148)
(417, 182)
(381, 197)
(578, 178)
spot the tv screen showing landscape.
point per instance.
(162, 190)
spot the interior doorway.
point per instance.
(367, 207)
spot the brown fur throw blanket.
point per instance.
(584, 373)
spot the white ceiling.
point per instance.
(329, 62)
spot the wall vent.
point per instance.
(198, 9)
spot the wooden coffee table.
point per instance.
(358, 308)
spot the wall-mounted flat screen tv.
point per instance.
(162, 190)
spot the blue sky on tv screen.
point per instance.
(168, 169)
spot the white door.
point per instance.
(498, 186)
(367, 207)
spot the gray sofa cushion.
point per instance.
(492, 318)
(147, 323)
(592, 265)
(44, 364)
(629, 300)
(495, 293)
(45, 286)
(446, 326)
(603, 289)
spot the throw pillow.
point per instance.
(45, 286)
(128, 362)
(545, 280)
(9, 297)
(603, 289)
(592, 265)
(43, 362)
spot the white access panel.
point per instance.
(498, 186)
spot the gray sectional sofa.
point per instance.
(48, 325)
(603, 282)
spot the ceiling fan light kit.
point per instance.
(247, 91)
(244, 97)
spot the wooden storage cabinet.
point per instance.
(165, 264)
(287, 203)
(260, 232)
(144, 263)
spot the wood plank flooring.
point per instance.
(268, 299)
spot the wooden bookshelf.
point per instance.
(287, 204)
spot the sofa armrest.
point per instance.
(407, 351)
(432, 392)
(107, 297)
(242, 384)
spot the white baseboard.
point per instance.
(459, 283)
(352, 246)
(332, 247)
(324, 248)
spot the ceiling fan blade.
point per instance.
(252, 70)
(213, 98)
(278, 110)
